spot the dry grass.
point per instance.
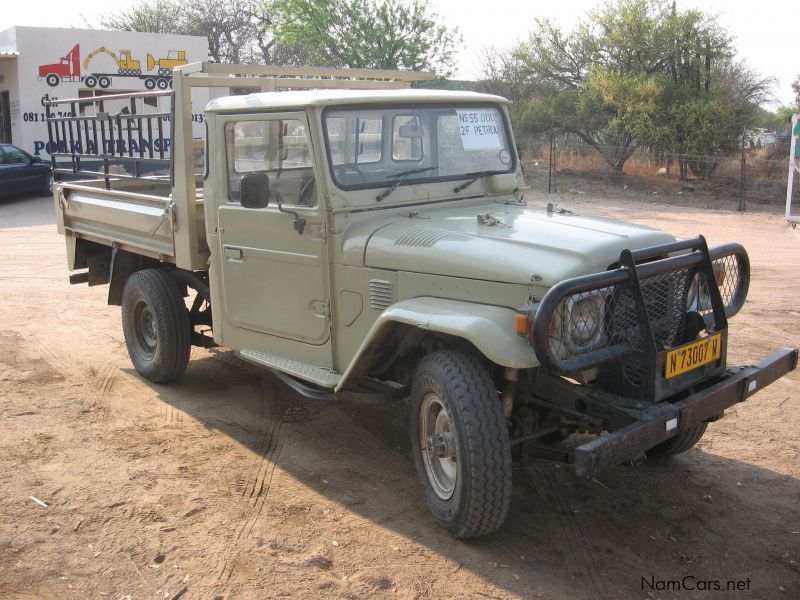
(713, 171)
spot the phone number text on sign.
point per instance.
(479, 129)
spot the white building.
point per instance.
(40, 63)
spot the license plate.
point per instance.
(694, 355)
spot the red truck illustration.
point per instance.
(68, 68)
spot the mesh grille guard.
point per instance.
(629, 317)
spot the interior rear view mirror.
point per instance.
(410, 131)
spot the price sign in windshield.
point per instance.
(479, 129)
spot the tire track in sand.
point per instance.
(254, 489)
(577, 537)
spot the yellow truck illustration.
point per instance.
(174, 58)
(126, 64)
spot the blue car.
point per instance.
(20, 172)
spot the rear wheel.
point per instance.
(678, 444)
(460, 443)
(156, 325)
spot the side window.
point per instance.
(406, 138)
(277, 148)
(15, 156)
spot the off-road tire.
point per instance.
(156, 324)
(482, 487)
(680, 443)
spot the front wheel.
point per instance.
(460, 443)
(680, 443)
(156, 325)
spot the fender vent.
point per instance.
(422, 237)
(381, 294)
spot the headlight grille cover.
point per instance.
(585, 323)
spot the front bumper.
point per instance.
(665, 419)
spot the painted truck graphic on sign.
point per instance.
(69, 68)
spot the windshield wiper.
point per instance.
(400, 178)
(474, 177)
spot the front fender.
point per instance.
(489, 328)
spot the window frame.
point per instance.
(292, 115)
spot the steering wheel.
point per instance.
(306, 195)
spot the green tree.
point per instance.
(237, 30)
(784, 114)
(636, 73)
(155, 16)
(378, 34)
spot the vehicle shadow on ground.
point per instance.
(27, 210)
(631, 532)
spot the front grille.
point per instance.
(665, 299)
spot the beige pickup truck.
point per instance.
(350, 233)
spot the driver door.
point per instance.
(274, 272)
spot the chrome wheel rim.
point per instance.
(146, 333)
(439, 446)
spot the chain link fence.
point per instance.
(755, 173)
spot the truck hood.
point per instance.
(510, 244)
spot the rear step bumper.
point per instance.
(666, 419)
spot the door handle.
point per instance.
(234, 254)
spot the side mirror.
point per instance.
(254, 190)
(37, 159)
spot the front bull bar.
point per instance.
(665, 420)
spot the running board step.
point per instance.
(322, 377)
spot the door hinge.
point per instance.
(321, 235)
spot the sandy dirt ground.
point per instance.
(226, 484)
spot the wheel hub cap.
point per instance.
(146, 333)
(440, 447)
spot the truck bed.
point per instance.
(137, 216)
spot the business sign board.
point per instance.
(41, 64)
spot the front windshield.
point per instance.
(381, 147)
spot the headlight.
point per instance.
(698, 298)
(696, 293)
(584, 318)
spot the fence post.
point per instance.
(742, 206)
(551, 163)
